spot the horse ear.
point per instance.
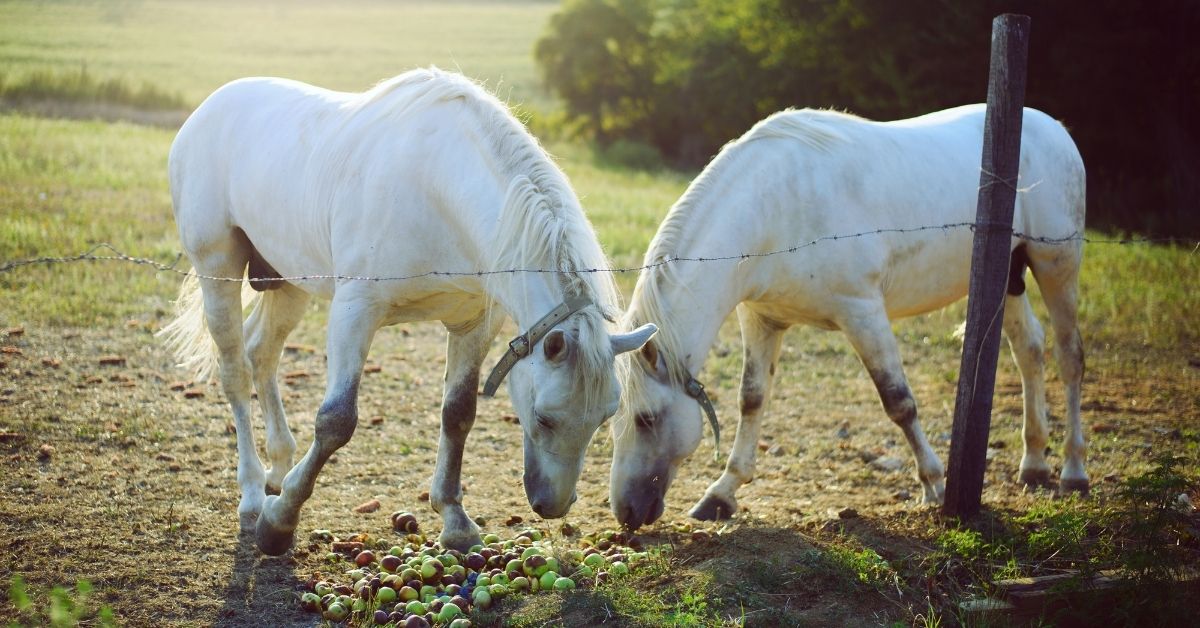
(555, 345)
(632, 340)
(649, 353)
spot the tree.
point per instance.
(686, 76)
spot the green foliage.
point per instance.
(82, 87)
(65, 609)
(866, 564)
(1054, 527)
(965, 544)
(689, 75)
(1152, 522)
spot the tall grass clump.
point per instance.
(81, 86)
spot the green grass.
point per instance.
(81, 86)
(191, 47)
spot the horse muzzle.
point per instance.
(544, 496)
(642, 503)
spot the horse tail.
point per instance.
(187, 336)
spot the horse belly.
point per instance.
(928, 280)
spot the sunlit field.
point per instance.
(191, 47)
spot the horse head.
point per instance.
(658, 427)
(563, 389)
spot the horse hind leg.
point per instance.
(871, 335)
(274, 316)
(1027, 342)
(352, 326)
(1056, 269)
(762, 340)
(223, 313)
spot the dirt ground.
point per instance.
(112, 473)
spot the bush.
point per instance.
(686, 76)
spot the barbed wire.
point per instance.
(91, 255)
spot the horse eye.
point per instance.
(645, 420)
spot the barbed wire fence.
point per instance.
(105, 252)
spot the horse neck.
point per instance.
(690, 304)
(540, 233)
(692, 298)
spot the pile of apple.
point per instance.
(417, 583)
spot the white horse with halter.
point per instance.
(812, 177)
(420, 199)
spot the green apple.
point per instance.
(461, 622)
(519, 584)
(432, 569)
(618, 569)
(498, 590)
(448, 613)
(482, 581)
(322, 588)
(491, 538)
(482, 597)
(415, 608)
(547, 580)
(336, 612)
(408, 594)
(564, 584)
(386, 595)
(530, 551)
(310, 601)
(530, 565)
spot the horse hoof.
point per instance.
(272, 541)
(713, 508)
(461, 541)
(1035, 478)
(1068, 486)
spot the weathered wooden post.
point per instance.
(989, 265)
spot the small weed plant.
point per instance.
(63, 608)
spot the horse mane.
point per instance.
(542, 226)
(820, 130)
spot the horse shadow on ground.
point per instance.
(261, 590)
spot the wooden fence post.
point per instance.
(989, 265)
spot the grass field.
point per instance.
(192, 47)
(67, 185)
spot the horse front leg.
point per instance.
(762, 340)
(352, 326)
(870, 332)
(466, 348)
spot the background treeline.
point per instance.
(676, 79)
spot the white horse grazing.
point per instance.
(799, 176)
(423, 181)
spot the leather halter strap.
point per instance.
(695, 390)
(522, 345)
